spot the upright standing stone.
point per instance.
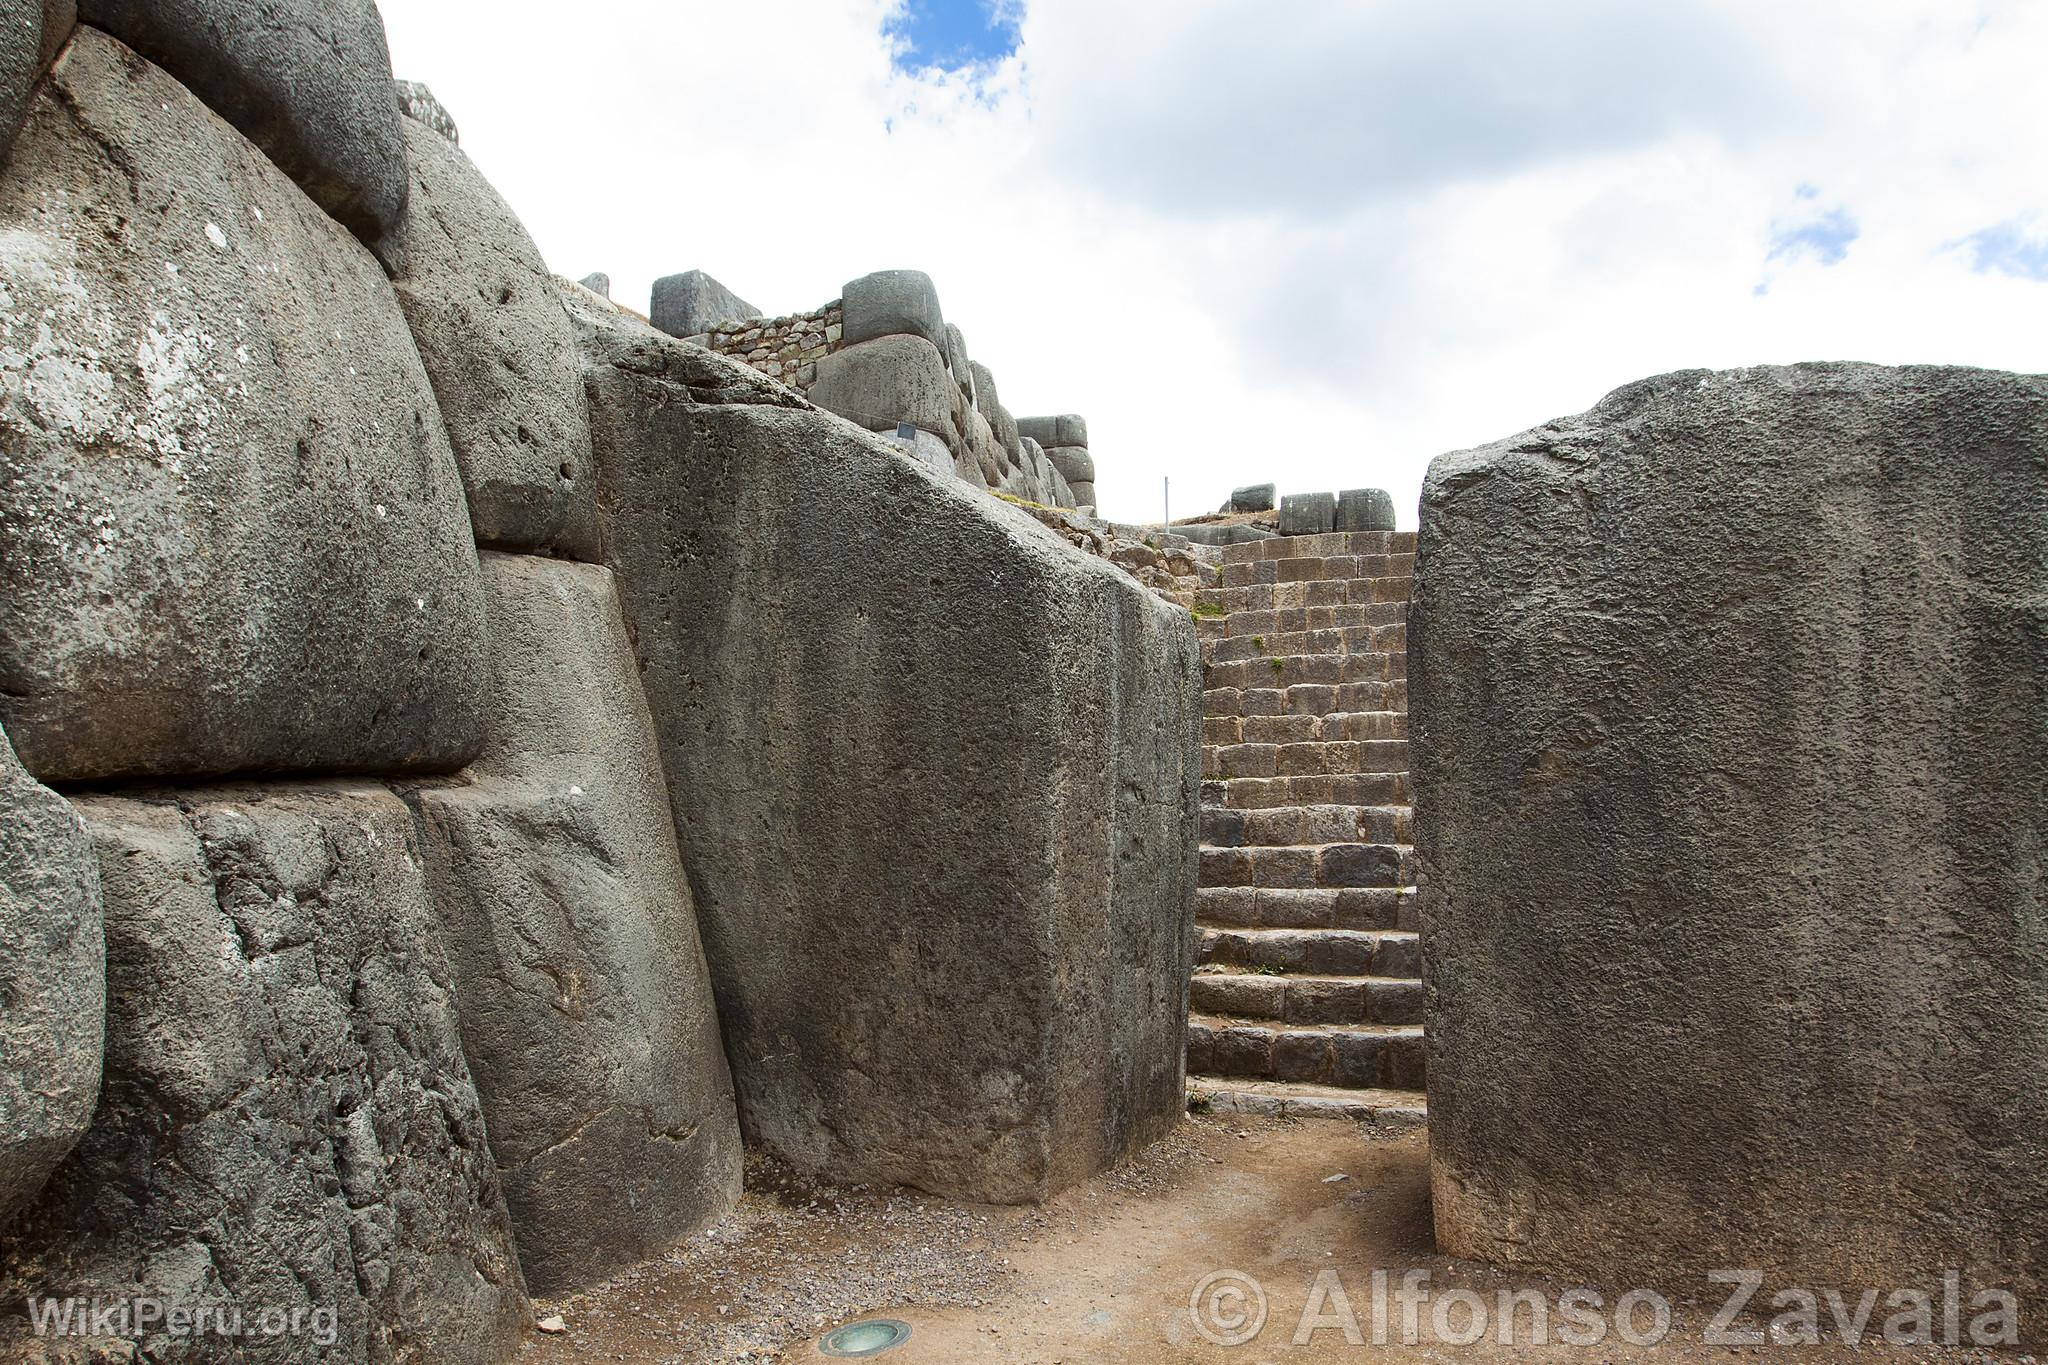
(692, 304)
(287, 1124)
(893, 303)
(1365, 509)
(498, 350)
(1256, 497)
(891, 379)
(1308, 514)
(53, 972)
(231, 526)
(945, 937)
(308, 81)
(958, 362)
(586, 1012)
(1732, 778)
(598, 283)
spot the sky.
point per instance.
(1308, 242)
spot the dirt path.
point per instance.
(1104, 1274)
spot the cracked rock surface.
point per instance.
(287, 1121)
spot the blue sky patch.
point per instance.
(2010, 248)
(1826, 239)
(953, 35)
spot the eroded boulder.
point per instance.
(1727, 737)
(231, 527)
(287, 1124)
(586, 1011)
(53, 972)
(692, 303)
(499, 353)
(308, 81)
(992, 1015)
(31, 33)
(1365, 509)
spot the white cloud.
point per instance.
(1318, 243)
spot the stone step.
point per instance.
(1387, 639)
(1361, 1057)
(1288, 620)
(1311, 759)
(1289, 825)
(1351, 789)
(1323, 866)
(1313, 952)
(1322, 546)
(1276, 1099)
(1306, 699)
(1387, 569)
(1308, 999)
(1341, 726)
(1389, 591)
(1277, 907)
(1290, 670)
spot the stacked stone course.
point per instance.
(787, 349)
(1308, 998)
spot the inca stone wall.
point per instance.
(934, 775)
(358, 804)
(1731, 784)
(883, 355)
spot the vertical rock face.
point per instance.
(586, 1010)
(934, 773)
(1732, 795)
(308, 81)
(230, 523)
(53, 972)
(893, 303)
(891, 379)
(287, 1122)
(498, 350)
(692, 303)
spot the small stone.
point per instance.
(552, 1324)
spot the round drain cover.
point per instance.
(859, 1340)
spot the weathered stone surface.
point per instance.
(1074, 463)
(1084, 495)
(957, 361)
(230, 524)
(497, 347)
(598, 283)
(53, 974)
(1727, 744)
(308, 81)
(992, 1017)
(693, 303)
(1365, 509)
(1308, 514)
(1050, 432)
(287, 1123)
(417, 103)
(31, 32)
(586, 1010)
(893, 303)
(928, 448)
(889, 380)
(1256, 497)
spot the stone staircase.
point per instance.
(1307, 994)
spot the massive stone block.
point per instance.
(53, 973)
(230, 524)
(287, 1123)
(934, 773)
(1365, 509)
(498, 350)
(893, 303)
(1308, 514)
(693, 303)
(1074, 463)
(889, 380)
(1731, 774)
(586, 1010)
(957, 361)
(308, 81)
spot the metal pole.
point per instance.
(1166, 502)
